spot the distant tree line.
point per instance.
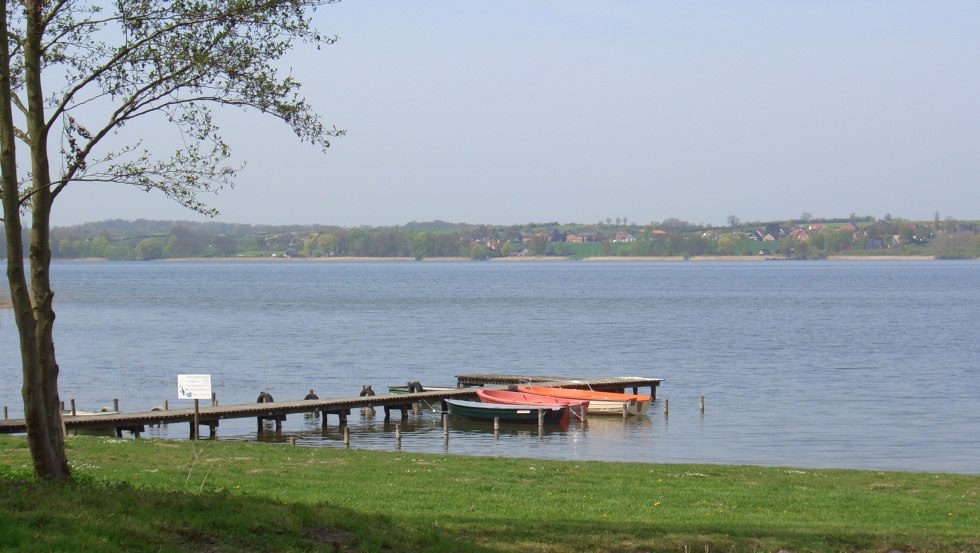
(804, 238)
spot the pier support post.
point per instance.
(347, 436)
(445, 425)
(115, 405)
(197, 419)
(540, 418)
(666, 406)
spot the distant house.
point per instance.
(624, 237)
(875, 244)
(581, 238)
(799, 234)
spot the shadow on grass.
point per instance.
(99, 516)
(570, 535)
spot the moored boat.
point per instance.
(600, 403)
(521, 398)
(411, 389)
(552, 414)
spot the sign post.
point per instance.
(196, 387)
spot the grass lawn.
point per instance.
(150, 495)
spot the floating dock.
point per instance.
(210, 416)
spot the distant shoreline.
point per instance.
(520, 259)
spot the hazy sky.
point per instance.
(518, 111)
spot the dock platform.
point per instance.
(211, 416)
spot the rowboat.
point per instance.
(553, 414)
(600, 403)
(520, 398)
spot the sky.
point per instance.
(510, 112)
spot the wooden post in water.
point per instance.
(445, 425)
(398, 437)
(666, 406)
(115, 405)
(346, 436)
(73, 412)
(540, 418)
(292, 441)
(197, 419)
(166, 405)
(4, 412)
(626, 410)
(701, 404)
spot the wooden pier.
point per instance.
(212, 415)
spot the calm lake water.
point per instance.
(870, 365)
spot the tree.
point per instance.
(119, 63)
(537, 245)
(149, 249)
(734, 221)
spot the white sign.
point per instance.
(193, 386)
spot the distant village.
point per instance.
(804, 238)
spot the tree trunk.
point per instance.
(32, 309)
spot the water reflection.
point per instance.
(595, 437)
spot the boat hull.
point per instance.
(405, 389)
(505, 397)
(553, 414)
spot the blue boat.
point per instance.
(553, 414)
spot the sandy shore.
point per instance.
(881, 257)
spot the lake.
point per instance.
(848, 364)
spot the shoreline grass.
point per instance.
(154, 495)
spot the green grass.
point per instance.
(148, 495)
